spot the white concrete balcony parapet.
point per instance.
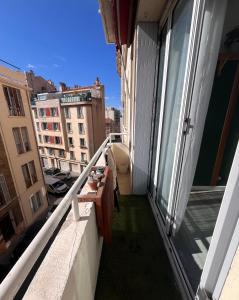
(69, 269)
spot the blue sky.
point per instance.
(61, 40)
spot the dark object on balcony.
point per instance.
(104, 204)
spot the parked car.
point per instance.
(51, 171)
(53, 207)
(63, 175)
(55, 186)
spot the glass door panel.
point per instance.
(181, 22)
(155, 127)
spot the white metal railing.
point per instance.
(17, 275)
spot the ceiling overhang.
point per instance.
(118, 18)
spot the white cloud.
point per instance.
(30, 66)
(56, 66)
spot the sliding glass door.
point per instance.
(172, 99)
(155, 128)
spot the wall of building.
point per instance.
(38, 84)
(146, 51)
(12, 208)
(18, 80)
(231, 286)
(93, 123)
(112, 120)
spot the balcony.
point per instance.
(66, 253)
(73, 98)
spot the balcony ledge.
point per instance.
(70, 268)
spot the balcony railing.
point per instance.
(17, 275)
(76, 98)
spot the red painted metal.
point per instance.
(104, 204)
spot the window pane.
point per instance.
(34, 203)
(25, 139)
(157, 108)
(18, 140)
(81, 128)
(19, 103)
(79, 113)
(82, 142)
(72, 155)
(175, 78)
(2, 197)
(26, 175)
(32, 171)
(39, 199)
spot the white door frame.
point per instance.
(191, 63)
(225, 240)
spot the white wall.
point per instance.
(70, 268)
(146, 51)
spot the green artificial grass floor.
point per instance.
(136, 265)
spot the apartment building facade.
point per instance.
(38, 84)
(178, 62)
(22, 189)
(112, 120)
(70, 126)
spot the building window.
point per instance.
(40, 138)
(69, 127)
(36, 201)
(72, 155)
(61, 153)
(50, 151)
(14, 101)
(38, 126)
(35, 113)
(25, 139)
(46, 139)
(82, 143)
(57, 140)
(70, 141)
(18, 140)
(67, 113)
(54, 111)
(80, 112)
(42, 150)
(21, 139)
(42, 112)
(29, 173)
(32, 170)
(81, 128)
(56, 126)
(83, 157)
(44, 126)
(4, 192)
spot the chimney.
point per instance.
(97, 82)
(62, 87)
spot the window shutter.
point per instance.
(50, 126)
(59, 126)
(48, 112)
(57, 114)
(52, 140)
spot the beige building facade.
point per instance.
(23, 191)
(112, 120)
(70, 126)
(38, 84)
